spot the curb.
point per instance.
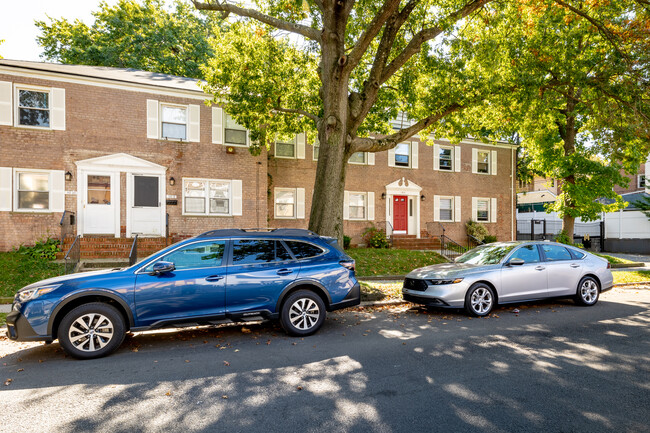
(636, 283)
(382, 278)
(627, 265)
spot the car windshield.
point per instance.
(486, 255)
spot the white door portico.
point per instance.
(98, 196)
(403, 187)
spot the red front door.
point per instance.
(400, 213)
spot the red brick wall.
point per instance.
(633, 185)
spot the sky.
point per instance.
(17, 23)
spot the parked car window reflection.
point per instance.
(201, 255)
(303, 250)
(250, 251)
(527, 253)
(555, 253)
(486, 255)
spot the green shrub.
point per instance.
(346, 242)
(375, 237)
(45, 249)
(476, 229)
(489, 239)
(564, 238)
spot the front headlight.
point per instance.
(437, 282)
(29, 294)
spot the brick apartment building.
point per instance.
(131, 152)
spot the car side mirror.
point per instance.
(515, 262)
(162, 268)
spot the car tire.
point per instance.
(479, 300)
(91, 330)
(303, 313)
(588, 292)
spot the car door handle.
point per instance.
(575, 265)
(284, 271)
(540, 268)
(214, 278)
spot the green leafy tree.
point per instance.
(580, 79)
(643, 204)
(141, 35)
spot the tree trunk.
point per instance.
(568, 225)
(568, 133)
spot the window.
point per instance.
(197, 255)
(446, 209)
(235, 134)
(577, 254)
(482, 210)
(358, 205)
(206, 197)
(641, 181)
(303, 250)
(358, 158)
(403, 155)
(285, 149)
(174, 122)
(33, 191)
(483, 162)
(316, 150)
(99, 189)
(527, 253)
(555, 253)
(285, 203)
(253, 251)
(446, 158)
(33, 108)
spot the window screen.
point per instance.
(145, 191)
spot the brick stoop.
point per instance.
(411, 242)
(108, 247)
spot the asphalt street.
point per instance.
(553, 367)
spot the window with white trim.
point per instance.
(403, 155)
(641, 181)
(446, 209)
(483, 161)
(32, 191)
(285, 203)
(206, 197)
(446, 157)
(358, 205)
(173, 122)
(482, 210)
(358, 158)
(33, 107)
(285, 148)
(234, 133)
(316, 150)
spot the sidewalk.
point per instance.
(640, 258)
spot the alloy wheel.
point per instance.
(91, 332)
(304, 314)
(481, 300)
(589, 291)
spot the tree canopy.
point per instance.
(141, 35)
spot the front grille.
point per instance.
(414, 284)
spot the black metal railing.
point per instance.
(472, 242)
(73, 256)
(435, 227)
(450, 248)
(133, 255)
(382, 225)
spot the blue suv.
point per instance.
(220, 276)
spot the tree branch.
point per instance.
(296, 111)
(362, 144)
(413, 47)
(372, 30)
(224, 6)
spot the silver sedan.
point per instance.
(507, 272)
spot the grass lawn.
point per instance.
(3, 319)
(613, 260)
(371, 291)
(631, 276)
(18, 270)
(373, 261)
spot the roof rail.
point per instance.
(239, 232)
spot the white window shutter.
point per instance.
(194, 124)
(457, 209)
(436, 208)
(414, 154)
(300, 146)
(474, 208)
(436, 156)
(58, 109)
(57, 191)
(346, 205)
(456, 158)
(152, 119)
(300, 203)
(493, 210)
(6, 105)
(391, 157)
(371, 206)
(474, 160)
(237, 198)
(493, 162)
(371, 158)
(5, 188)
(217, 125)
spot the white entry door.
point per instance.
(146, 207)
(99, 202)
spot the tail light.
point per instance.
(349, 264)
(609, 265)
